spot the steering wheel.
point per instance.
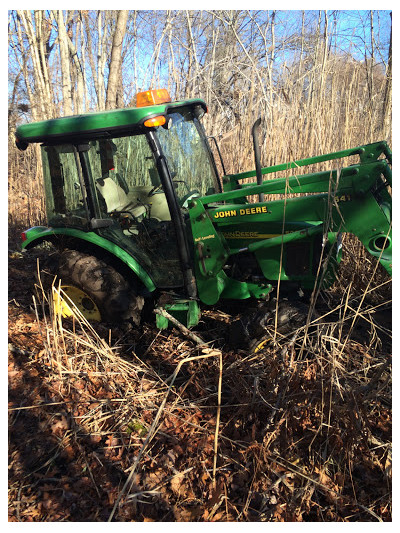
(184, 201)
(133, 213)
(154, 190)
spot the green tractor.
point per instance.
(138, 212)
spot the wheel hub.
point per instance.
(71, 298)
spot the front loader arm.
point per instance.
(366, 153)
(354, 199)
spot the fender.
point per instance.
(38, 234)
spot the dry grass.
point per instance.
(301, 429)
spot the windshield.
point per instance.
(189, 160)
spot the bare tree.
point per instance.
(114, 76)
(387, 101)
(64, 62)
(78, 71)
(101, 55)
(41, 97)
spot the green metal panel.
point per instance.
(356, 201)
(210, 254)
(240, 290)
(104, 121)
(355, 211)
(186, 311)
(39, 233)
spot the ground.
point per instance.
(123, 425)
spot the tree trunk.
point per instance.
(90, 52)
(115, 61)
(42, 41)
(24, 70)
(64, 63)
(43, 105)
(79, 98)
(387, 102)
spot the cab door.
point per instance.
(128, 192)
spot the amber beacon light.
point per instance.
(156, 121)
(153, 97)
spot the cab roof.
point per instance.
(91, 125)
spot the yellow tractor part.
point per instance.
(69, 298)
(262, 344)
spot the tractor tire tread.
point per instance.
(116, 298)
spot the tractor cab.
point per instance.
(128, 175)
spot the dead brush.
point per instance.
(359, 270)
(318, 395)
(118, 399)
(80, 358)
(297, 431)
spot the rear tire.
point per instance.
(96, 288)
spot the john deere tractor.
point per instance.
(138, 212)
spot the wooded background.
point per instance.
(320, 80)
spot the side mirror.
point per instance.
(21, 145)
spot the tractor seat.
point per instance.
(116, 198)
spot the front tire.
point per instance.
(96, 288)
(255, 329)
(291, 316)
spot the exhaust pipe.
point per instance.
(256, 146)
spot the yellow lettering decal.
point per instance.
(204, 238)
(247, 211)
(224, 214)
(345, 198)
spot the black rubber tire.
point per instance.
(291, 316)
(116, 298)
(254, 325)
